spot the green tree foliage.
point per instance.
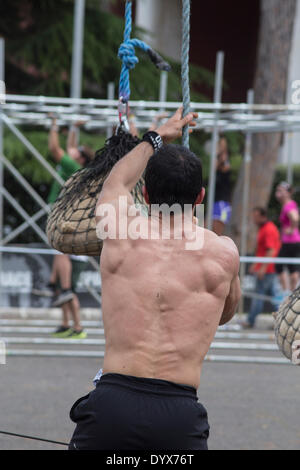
(39, 50)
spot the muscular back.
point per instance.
(162, 304)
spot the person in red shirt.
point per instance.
(268, 245)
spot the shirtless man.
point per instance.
(162, 305)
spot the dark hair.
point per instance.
(87, 154)
(262, 211)
(286, 186)
(173, 176)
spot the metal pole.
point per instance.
(77, 54)
(78, 35)
(247, 175)
(240, 107)
(2, 80)
(110, 96)
(290, 169)
(163, 87)
(215, 139)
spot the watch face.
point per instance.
(155, 140)
(158, 141)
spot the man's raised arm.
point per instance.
(127, 171)
(72, 141)
(53, 142)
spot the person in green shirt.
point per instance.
(63, 266)
(66, 167)
(68, 161)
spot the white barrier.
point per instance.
(253, 259)
(243, 259)
(31, 251)
(100, 354)
(101, 342)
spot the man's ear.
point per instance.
(200, 197)
(145, 194)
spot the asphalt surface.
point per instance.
(250, 407)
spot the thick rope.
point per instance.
(186, 13)
(129, 58)
(127, 54)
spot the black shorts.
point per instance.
(130, 413)
(289, 250)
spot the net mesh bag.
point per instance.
(287, 323)
(71, 225)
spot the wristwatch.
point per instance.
(154, 139)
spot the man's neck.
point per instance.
(176, 223)
(263, 223)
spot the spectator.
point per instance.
(290, 236)
(222, 207)
(268, 245)
(66, 269)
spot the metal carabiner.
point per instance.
(123, 115)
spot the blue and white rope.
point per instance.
(127, 54)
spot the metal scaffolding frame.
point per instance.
(247, 118)
(99, 113)
(29, 220)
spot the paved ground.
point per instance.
(250, 406)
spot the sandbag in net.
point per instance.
(287, 323)
(71, 225)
